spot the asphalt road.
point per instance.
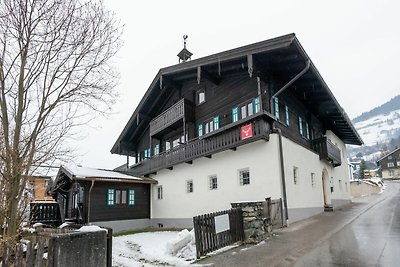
(364, 233)
(372, 239)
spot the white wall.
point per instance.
(261, 159)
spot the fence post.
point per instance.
(109, 246)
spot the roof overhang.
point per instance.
(283, 56)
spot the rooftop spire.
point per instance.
(185, 54)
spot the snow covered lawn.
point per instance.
(154, 249)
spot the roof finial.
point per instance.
(185, 54)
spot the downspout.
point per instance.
(277, 130)
(90, 191)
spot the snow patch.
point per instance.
(91, 228)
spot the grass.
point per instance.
(145, 230)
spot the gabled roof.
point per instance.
(82, 173)
(283, 55)
(387, 155)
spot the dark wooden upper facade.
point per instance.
(390, 161)
(198, 107)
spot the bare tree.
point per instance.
(55, 70)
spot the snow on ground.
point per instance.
(154, 249)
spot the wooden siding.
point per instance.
(100, 211)
(394, 158)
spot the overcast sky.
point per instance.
(354, 44)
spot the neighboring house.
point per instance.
(38, 187)
(108, 198)
(390, 165)
(242, 125)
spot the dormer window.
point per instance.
(200, 96)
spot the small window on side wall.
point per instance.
(295, 174)
(200, 96)
(131, 195)
(213, 181)
(110, 197)
(244, 177)
(159, 192)
(189, 186)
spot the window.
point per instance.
(167, 145)
(137, 157)
(391, 172)
(287, 119)
(209, 127)
(216, 122)
(256, 105)
(390, 157)
(123, 197)
(176, 142)
(295, 174)
(117, 196)
(346, 187)
(244, 177)
(213, 182)
(110, 197)
(131, 195)
(159, 192)
(235, 114)
(189, 186)
(340, 185)
(243, 112)
(390, 164)
(398, 163)
(200, 96)
(301, 126)
(250, 109)
(308, 131)
(147, 153)
(312, 179)
(157, 149)
(200, 130)
(276, 108)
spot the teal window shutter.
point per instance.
(216, 122)
(110, 197)
(131, 199)
(307, 131)
(276, 107)
(235, 114)
(287, 115)
(301, 126)
(256, 104)
(200, 129)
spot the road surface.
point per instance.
(364, 233)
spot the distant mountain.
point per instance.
(379, 128)
(391, 105)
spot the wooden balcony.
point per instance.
(327, 151)
(227, 137)
(182, 110)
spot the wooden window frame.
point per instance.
(256, 105)
(235, 114)
(159, 192)
(212, 185)
(189, 186)
(276, 108)
(295, 175)
(200, 130)
(110, 197)
(216, 122)
(312, 179)
(131, 197)
(301, 126)
(244, 180)
(287, 116)
(198, 92)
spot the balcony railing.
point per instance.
(183, 108)
(327, 150)
(227, 137)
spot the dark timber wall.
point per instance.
(100, 211)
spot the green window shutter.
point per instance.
(216, 122)
(301, 126)
(256, 104)
(110, 197)
(200, 129)
(235, 114)
(287, 115)
(276, 107)
(131, 194)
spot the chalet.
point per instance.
(390, 165)
(107, 198)
(245, 124)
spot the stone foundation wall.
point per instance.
(256, 222)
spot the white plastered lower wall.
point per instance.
(177, 207)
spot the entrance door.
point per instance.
(326, 188)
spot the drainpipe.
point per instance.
(279, 132)
(295, 78)
(88, 209)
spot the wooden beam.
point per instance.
(202, 73)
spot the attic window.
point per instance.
(200, 96)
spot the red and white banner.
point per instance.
(246, 131)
